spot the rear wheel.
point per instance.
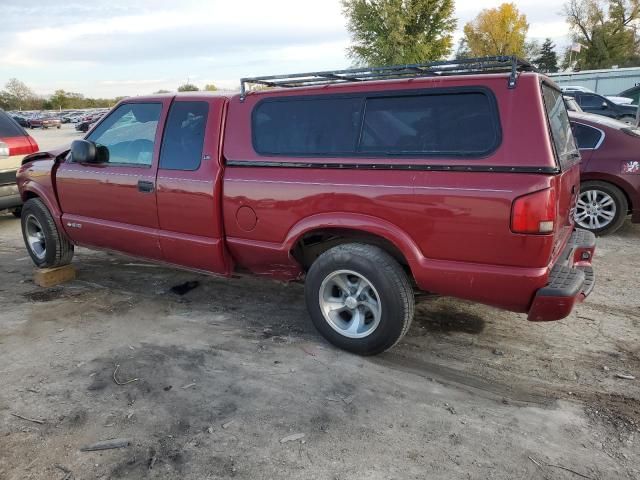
(359, 298)
(601, 208)
(46, 246)
(628, 119)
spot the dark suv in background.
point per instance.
(15, 143)
(594, 103)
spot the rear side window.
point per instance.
(184, 136)
(461, 123)
(559, 123)
(9, 127)
(307, 126)
(590, 101)
(586, 137)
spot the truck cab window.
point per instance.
(129, 133)
(184, 136)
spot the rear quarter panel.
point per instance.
(449, 221)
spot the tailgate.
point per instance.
(567, 183)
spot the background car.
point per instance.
(23, 122)
(599, 105)
(572, 105)
(609, 173)
(15, 143)
(633, 93)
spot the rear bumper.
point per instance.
(571, 280)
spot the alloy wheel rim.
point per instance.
(35, 237)
(350, 304)
(595, 209)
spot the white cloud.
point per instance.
(116, 47)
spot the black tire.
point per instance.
(17, 212)
(389, 282)
(619, 199)
(58, 251)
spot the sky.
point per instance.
(108, 48)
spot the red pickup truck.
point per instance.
(458, 178)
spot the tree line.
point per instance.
(16, 95)
(392, 32)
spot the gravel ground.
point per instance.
(231, 380)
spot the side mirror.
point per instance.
(84, 151)
(604, 105)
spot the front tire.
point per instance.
(359, 298)
(602, 207)
(47, 247)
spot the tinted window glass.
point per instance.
(559, 123)
(307, 126)
(590, 101)
(9, 127)
(129, 133)
(184, 136)
(586, 137)
(460, 123)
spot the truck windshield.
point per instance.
(560, 128)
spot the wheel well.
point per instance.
(314, 243)
(29, 195)
(630, 205)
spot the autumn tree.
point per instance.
(547, 59)
(497, 31)
(387, 32)
(606, 30)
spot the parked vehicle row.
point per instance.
(363, 189)
(53, 119)
(15, 143)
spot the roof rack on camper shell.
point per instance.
(464, 66)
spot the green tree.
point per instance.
(188, 87)
(386, 32)
(547, 59)
(210, 87)
(606, 30)
(497, 31)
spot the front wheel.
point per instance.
(45, 244)
(359, 298)
(601, 208)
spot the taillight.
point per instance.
(4, 149)
(34, 144)
(534, 213)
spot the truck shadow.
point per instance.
(446, 318)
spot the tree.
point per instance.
(188, 87)
(18, 94)
(162, 90)
(463, 50)
(210, 87)
(547, 59)
(497, 31)
(387, 32)
(606, 31)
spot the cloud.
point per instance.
(120, 47)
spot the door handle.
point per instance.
(145, 186)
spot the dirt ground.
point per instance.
(222, 382)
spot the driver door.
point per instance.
(112, 204)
